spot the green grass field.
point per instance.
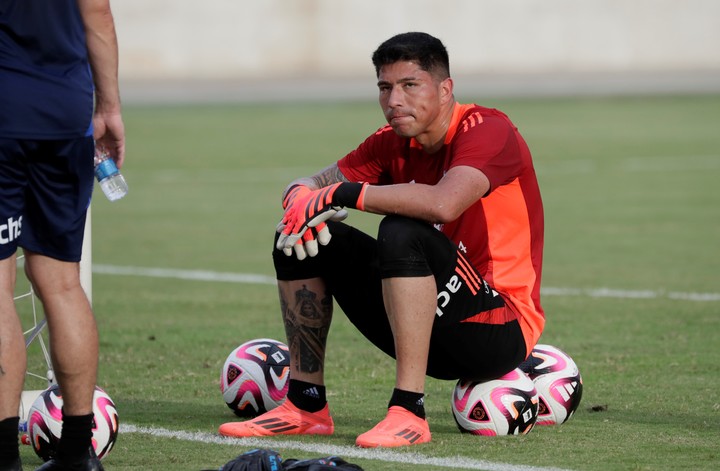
(631, 274)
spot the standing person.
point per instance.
(451, 285)
(51, 56)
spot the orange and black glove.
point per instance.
(308, 211)
(320, 234)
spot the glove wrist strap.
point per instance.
(350, 195)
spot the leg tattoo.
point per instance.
(307, 323)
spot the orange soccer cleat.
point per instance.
(286, 419)
(399, 428)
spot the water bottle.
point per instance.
(111, 181)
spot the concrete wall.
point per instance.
(255, 39)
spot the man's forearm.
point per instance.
(102, 52)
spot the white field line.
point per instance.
(197, 275)
(250, 278)
(322, 450)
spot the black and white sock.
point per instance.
(306, 396)
(412, 401)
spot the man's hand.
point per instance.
(320, 234)
(294, 192)
(306, 211)
(308, 246)
(312, 209)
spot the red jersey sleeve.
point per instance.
(370, 161)
(488, 141)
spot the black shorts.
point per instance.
(465, 343)
(45, 191)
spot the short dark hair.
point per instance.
(428, 51)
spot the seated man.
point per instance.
(449, 288)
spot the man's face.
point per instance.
(410, 98)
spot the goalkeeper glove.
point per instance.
(308, 244)
(293, 193)
(309, 210)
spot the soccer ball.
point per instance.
(558, 383)
(504, 406)
(44, 423)
(255, 377)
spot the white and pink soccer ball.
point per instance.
(44, 423)
(504, 406)
(255, 377)
(558, 383)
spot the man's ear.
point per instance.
(446, 90)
